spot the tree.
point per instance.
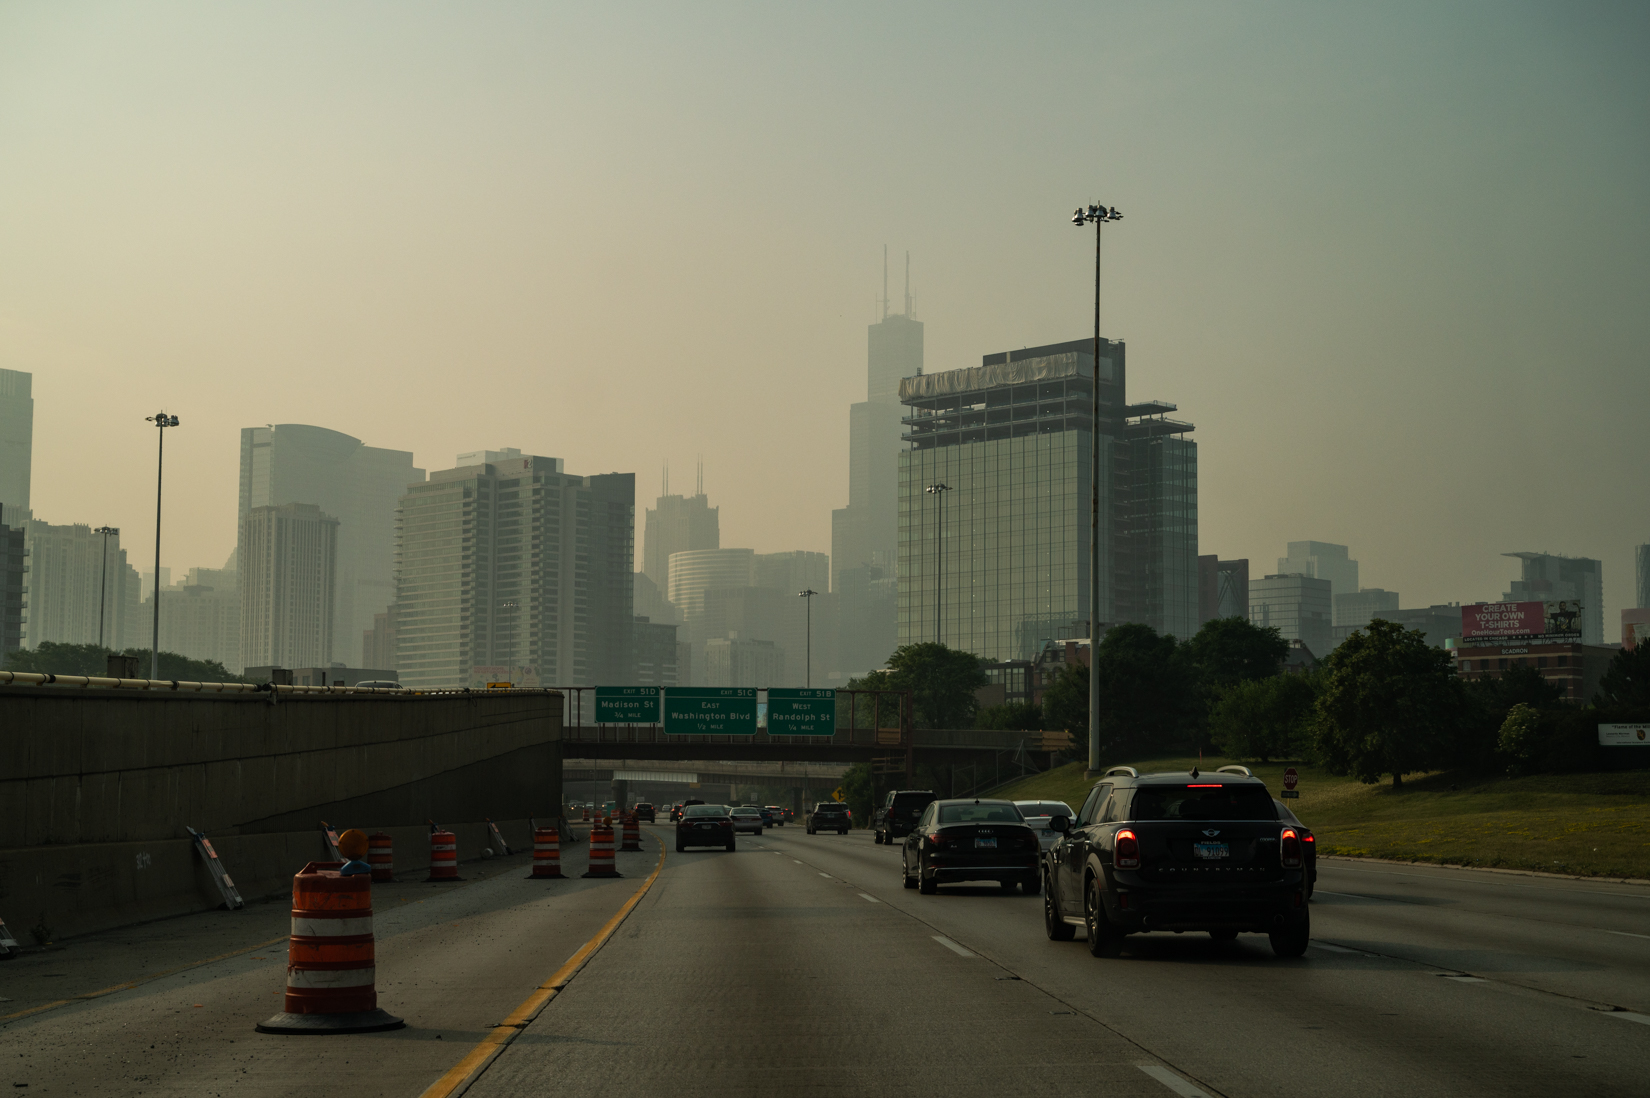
(51, 658)
(1066, 701)
(1626, 681)
(1011, 717)
(1232, 650)
(1147, 700)
(942, 682)
(1520, 738)
(1264, 719)
(1388, 704)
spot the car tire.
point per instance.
(844, 831)
(905, 873)
(1105, 940)
(925, 885)
(681, 848)
(759, 831)
(1292, 941)
(1057, 929)
(1224, 934)
(730, 845)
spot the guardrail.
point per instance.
(34, 678)
(978, 739)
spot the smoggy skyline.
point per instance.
(1391, 261)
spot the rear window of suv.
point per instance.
(979, 813)
(1195, 801)
(829, 808)
(705, 810)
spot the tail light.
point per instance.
(1289, 849)
(934, 837)
(1126, 851)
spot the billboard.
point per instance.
(1525, 622)
(1622, 735)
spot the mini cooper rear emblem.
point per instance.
(1211, 831)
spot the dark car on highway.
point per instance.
(830, 816)
(776, 815)
(1177, 852)
(899, 813)
(645, 811)
(1309, 845)
(970, 840)
(704, 825)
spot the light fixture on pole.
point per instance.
(938, 492)
(808, 675)
(1098, 216)
(103, 593)
(162, 421)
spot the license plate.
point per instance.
(706, 827)
(1211, 851)
(985, 844)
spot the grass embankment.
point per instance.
(1585, 824)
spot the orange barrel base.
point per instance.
(601, 853)
(546, 855)
(443, 857)
(381, 856)
(331, 978)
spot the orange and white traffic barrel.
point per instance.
(381, 856)
(331, 972)
(601, 852)
(632, 832)
(546, 853)
(443, 857)
(587, 814)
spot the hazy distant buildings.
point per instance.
(1356, 609)
(735, 661)
(1440, 622)
(1298, 605)
(743, 595)
(1548, 577)
(201, 617)
(1325, 561)
(355, 484)
(79, 588)
(865, 534)
(510, 569)
(1011, 439)
(1641, 586)
(1222, 588)
(11, 589)
(378, 643)
(16, 446)
(655, 653)
(288, 568)
(677, 524)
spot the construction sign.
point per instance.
(220, 876)
(838, 794)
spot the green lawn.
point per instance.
(1586, 824)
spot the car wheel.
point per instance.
(844, 831)
(1057, 929)
(925, 885)
(681, 848)
(905, 873)
(1008, 886)
(730, 845)
(1292, 941)
(1032, 884)
(1105, 940)
(759, 831)
(1224, 934)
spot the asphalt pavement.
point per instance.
(797, 965)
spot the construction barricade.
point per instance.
(601, 852)
(546, 854)
(381, 856)
(632, 833)
(331, 974)
(443, 857)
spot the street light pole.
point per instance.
(103, 592)
(1098, 215)
(162, 421)
(808, 675)
(938, 491)
(510, 660)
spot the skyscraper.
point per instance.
(509, 568)
(288, 568)
(356, 484)
(865, 534)
(1007, 569)
(11, 589)
(1222, 588)
(678, 524)
(1325, 561)
(1548, 577)
(201, 617)
(80, 588)
(16, 446)
(1641, 589)
(1298, 605)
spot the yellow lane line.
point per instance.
(143, 980)
(475, 1062)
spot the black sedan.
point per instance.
(704, 825)
(971, 840)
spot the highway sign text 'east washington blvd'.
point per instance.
(710, 711)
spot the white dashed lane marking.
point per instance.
(1172, 1081)
(873, 899)
(1629, 1016)
(952, 946)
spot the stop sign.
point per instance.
(1290, 778)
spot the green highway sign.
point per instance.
(801, 712)
(710, 711)
(627, 705)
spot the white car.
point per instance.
(747, 819)
(1037, 815)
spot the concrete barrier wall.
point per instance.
(83, 766)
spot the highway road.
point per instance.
(797, 965)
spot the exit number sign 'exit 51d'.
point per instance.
(627, 705)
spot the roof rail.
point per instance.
(1244, 770)
(1125, 770)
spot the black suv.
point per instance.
(1182, 851)
(898, 814)
(830, 816)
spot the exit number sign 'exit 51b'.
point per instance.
(801, 712)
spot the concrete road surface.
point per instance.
(797, 965)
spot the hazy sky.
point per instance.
(1392, 259)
